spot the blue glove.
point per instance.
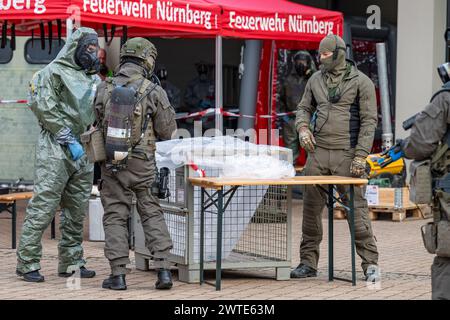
(76, 150)
(395, 154)
(392, 154)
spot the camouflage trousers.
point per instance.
(440, 278)
(333, 162)
(116, 194)
(58, 182)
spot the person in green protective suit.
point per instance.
(61, 96)
(291, 93)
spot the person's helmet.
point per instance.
(444, 72)
(142, 49)
(302, 55)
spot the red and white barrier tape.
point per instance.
(202, 113)
(199, 114)
(13, 101)
(200, 172)
(228, 114)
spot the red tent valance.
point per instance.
(33, 9)
(277, 20)
(250, 19)
(174, 16)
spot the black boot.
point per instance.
(84, 273)
(372, 273)
(303, 271)
(115, 282)
(33, 276)
(164, 279)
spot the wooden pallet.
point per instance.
(390, 213)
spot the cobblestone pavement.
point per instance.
(404, 263)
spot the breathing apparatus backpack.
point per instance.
(124, 124)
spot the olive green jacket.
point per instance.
(429, 128)
(348, 123)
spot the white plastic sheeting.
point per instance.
(223, 156)
(232, 156)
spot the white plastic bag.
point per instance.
(256, 167)
(233, 156)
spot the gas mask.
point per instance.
(444, 72)
(302, 64)
(86, 56)
(300, 69)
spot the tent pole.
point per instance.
(270, 89)
(219, 84)
(69, 27)
(249, 85)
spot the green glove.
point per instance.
(307, 140)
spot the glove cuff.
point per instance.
(358, 156)
(65, 136)
(302, 128)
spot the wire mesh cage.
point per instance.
(254, 227)
(255, 230)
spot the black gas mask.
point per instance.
(300, 68)
(86, 56)
(444, 72)
(302, 65)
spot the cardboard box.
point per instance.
(386, 197)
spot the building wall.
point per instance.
(18, 126)
(420, 49)
(357, 8)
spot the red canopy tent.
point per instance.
(21, 17)
(19, 10)
(147, 17)
(277, 20)
(287, 24)
(153, 17)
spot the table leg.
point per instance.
(202, 234)
(53, 229)
(219, 240)
(352, 232)
(330, 233)
(14, 223)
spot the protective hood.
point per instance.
(62, 94)
(66, 56)
(334, 67)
